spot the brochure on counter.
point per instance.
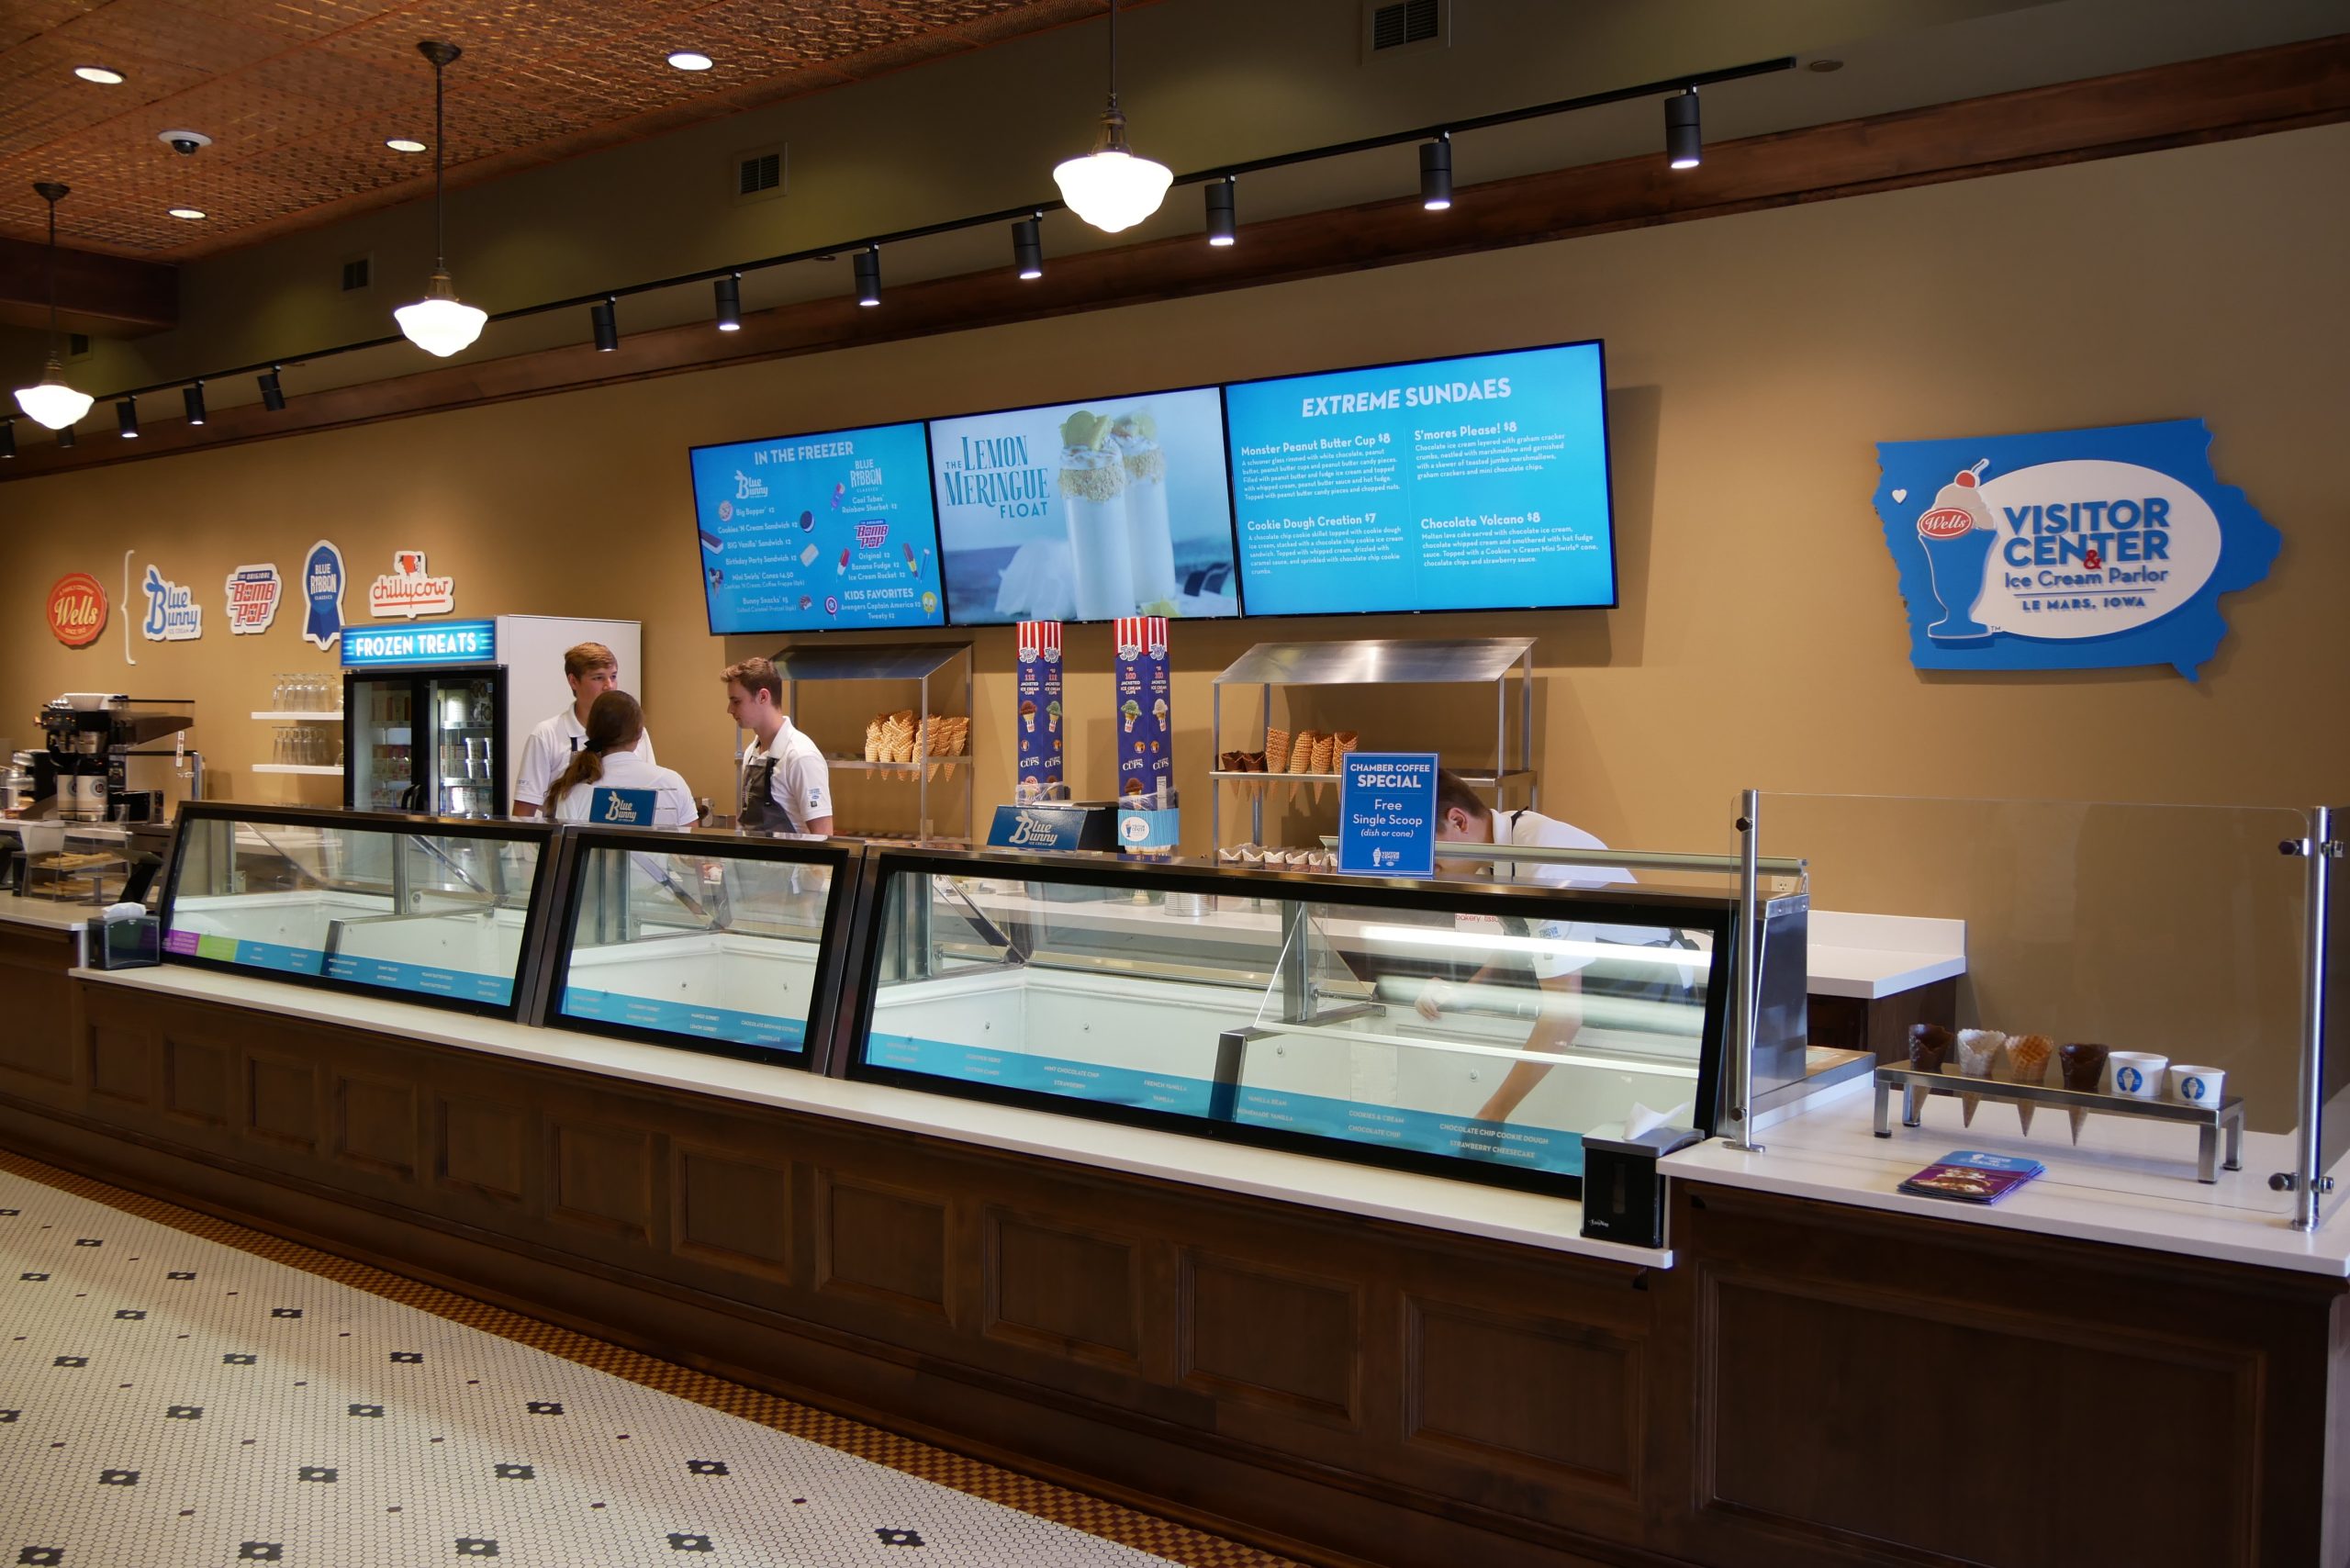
(1967, 1176)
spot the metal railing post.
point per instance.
(2308, 1178)
(1739, 1068)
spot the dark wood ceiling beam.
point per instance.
(2286, 87)
(104, 296)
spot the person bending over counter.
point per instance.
(610, 757)
(1464, 818)
(785, 783)
(592, 669)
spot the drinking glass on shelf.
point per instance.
(277, 696)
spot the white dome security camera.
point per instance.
(184, 142)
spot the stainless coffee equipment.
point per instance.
(84, 775)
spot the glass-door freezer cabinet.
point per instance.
(1469, 1031)
(434, 909)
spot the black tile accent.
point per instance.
(180, 1274)
(318, 1473)
(260, 1552)
(409, 1358)
(691, 1543)
(10, 1213)
(35, 1279)
(373, 1410)
(238, 1359)
(899, 1537)
(87, 1241)
(285, 1311)
(129, 1314)
(515, 1472)
(9, 1417)
(468, 1546)
(544, 1407)
(707, 1467)
(117, 1478)
(71, 1362)
(185, 1413)
(41, 1556)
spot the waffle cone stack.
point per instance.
(1301, 752)
(1979, 1054)
(2028, 1063)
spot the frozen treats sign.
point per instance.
(2088, 549)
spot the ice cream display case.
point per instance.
(717, 941)
(432, 910)
(1466, 1032)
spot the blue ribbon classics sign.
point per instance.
(2088, 549)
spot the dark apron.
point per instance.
(759, 811)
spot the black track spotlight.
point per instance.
(869, 275)
(126, 417)
(1223, 225)
(608, 330)
(729, 293)
(1028, 248)
(192, 395)
(65, 438)
(7, 439)
(273, 395)
(1682, 140)
(1436, 173)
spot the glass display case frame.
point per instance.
(574, 882)
(535, 905)
(1199, 881)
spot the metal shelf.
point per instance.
(917, 665)
(1487, 780)
(306, 716)
(858, 764)
(318, 769)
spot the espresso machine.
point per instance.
(83, 775)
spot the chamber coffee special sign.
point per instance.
(2087, 549)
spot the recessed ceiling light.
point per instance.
(102, 77)
(687, 60)
(404, 144)
(189, 213)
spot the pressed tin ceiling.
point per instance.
(300, 95)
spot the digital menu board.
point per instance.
(1452, 484)
(819, 532)
(1086, 511)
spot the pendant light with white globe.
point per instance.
(1110, 187)
(49, 401)
(439, 323)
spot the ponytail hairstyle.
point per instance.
(615, 722)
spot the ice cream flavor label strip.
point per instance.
(2087, 549)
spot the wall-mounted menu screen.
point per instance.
(1453, 484)
(823, 532)
(1086, 511)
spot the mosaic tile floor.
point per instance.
(176, 1390)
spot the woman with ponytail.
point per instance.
(607, 758)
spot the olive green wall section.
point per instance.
(1752, 362)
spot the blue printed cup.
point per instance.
(2138, 1075)
(2198, 1085)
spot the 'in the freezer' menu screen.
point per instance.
(819, 532)
(1455, 484)
(1086, 511)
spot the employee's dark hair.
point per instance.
(615, 722)
(756, 675)
(1451, 792)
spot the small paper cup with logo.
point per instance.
(2198, 1085)
(2138, 1075)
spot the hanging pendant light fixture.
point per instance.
(48, 400)
(439, 323)
(1110, 187)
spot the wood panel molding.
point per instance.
(1492, 1388)
(2259, 90)
(883, 1244)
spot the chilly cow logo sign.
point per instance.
(2088, 549)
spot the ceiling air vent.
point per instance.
(357, 273)
(1394, 27)
(761, 173)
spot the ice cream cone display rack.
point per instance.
(2210, 1121)
(1253, 760)
(905, 768)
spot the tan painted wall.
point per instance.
(1752, 362)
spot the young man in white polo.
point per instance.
(786, 786)
(592, 669)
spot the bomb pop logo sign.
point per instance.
(2067, 550)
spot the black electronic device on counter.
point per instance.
(1623, 1191)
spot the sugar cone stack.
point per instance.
(1979, 1054)
(2028, 1063)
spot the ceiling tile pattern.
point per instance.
(299, 96)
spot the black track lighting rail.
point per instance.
(1029, 210)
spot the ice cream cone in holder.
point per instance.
(1979, 1054)
(2082, 1068)
(2028, 1063)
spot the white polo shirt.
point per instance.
(548, 746)
(801, 785)
(1532, 828)
(673, 804)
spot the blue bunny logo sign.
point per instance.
(2088, 549)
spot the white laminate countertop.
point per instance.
(1435, 1203)
(49, 914)
(2129, 1182)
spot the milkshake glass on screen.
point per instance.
(1135, 435)
(1093, 489)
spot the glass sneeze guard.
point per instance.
(1477, 1033)
(721, 942)
(419, 909)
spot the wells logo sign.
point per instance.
(77, 610)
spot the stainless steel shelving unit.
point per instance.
(927, 667)
(1496, 662)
